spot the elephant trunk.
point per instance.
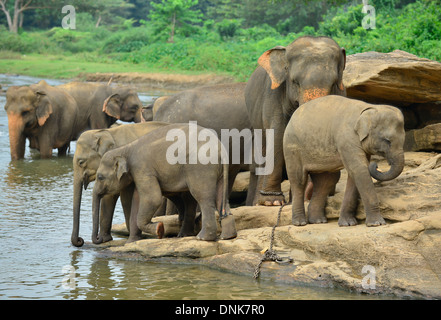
(78, 191)
(17, 140)
(95, 218)
(396, 167)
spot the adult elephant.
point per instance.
(287, 77)
(102, 105)
(217, 107)
(90, 148)
(46, 115)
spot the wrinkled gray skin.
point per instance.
(90, 148)
(286, 78)
(45, 115)
(215, 107)
(144, 163)
(331, 133)
(102, 105)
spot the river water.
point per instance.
(37, 260)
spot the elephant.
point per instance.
(330, 133)
(90, 148)
(149, 111)
(216, 107)
(102, 105)
(286, 78)
(46, 115)
(148, 164)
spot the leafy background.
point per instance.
(220, 36)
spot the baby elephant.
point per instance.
(150, 163)
(330, 133)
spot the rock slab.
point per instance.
(401, 258)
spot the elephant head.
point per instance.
(28, 109)
(124, 105)
(111, 177)
(309, 68)
(381, 132)
(90, 148)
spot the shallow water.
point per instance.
(37, 260)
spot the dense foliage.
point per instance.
(225, 36)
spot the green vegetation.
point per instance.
(216, 36)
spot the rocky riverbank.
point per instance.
(401, 258)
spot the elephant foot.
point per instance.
(375, 220)
(183, 234)
(271, 199)
(317, 219)
(133, 239)
(228, 228)
(299, 220)
(347, 220)
(206, 235)
(106, 238)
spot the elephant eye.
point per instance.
(100, 177)
(25, 113)
(387, 141)
(81, 162)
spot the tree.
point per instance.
(19, 7)
(173, 13)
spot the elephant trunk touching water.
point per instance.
(90, 148)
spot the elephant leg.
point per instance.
(63, 150)
(150, 200)
(108, 204)
(126, 196)
(188, 222)
(271, 192)
(297, 179)
(349, 205)
(252, 187)
(45, 145)
(357, 167)
(323, 183)
(171, 208)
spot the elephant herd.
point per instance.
(296, 94)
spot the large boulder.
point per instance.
(398, 78)
(401, 258)
(403, 80)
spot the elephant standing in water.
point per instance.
(90, 148)
(150, 164)
(287, 77)
(46, 115)
(331, 133)
(102, 105)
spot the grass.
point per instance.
(69, 67)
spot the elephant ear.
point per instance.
(121, 168)
(43, 107)
(112, 105)
(275, 64)
(102, 142)
(342, 67)
(365, 123)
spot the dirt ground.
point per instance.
(158, 80)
